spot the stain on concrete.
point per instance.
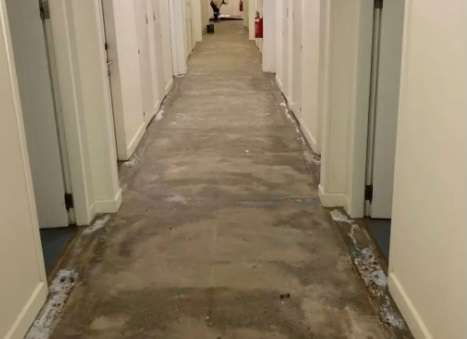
(213, 241)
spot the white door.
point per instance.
(297, 13)
(387, 106)
(122, 34)
(34, 79)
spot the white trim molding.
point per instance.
(407, 307)
(133, 144)
(109, 206)
(331, 199)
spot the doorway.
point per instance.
(388, 22)
(29, 22)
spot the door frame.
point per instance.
(61, 26)
(51, 57)
(93, 171)
(345, 105)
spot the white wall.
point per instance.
(206, 13)
(178, 32)
(283, 57)
(197, 19)
(232, 8)
(299, 60)
(127, 94)
(139, 33)
(23, 285)
(311, 66)
(182, 33)
(428, 271)
(251, 8)
(166, 47)
(270, 36)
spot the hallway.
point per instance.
(221, 233)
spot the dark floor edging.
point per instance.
(370, 267)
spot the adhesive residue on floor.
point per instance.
(368, 265)
(59, 291)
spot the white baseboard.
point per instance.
(332, 199)
(279, 84)
(154, 111)
(310, 138)
(109, 206)
(28, 314)
(408, 309)
(168, 87)
(135, 141)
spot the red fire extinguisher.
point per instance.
(258, 26)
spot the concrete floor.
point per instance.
(221, 234)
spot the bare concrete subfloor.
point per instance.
(221, 234)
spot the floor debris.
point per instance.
(98, 224)
(177, 198)
(59, 291)
(312, 158)
(131, 163)
(160, 115)
(285, 296)
(338, 216)
(368, 265)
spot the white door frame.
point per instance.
(70, 107)
(91, 193)
(345, 119)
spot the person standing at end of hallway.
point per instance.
(216, 8)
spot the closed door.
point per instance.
(385, 106)
(36, 93)
(123, 49)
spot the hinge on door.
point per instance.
(369, 193)
(379, 4)
(44, 9)
(69, 202)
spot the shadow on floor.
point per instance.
(380, 231)
(54, 244)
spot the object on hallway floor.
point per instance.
(210, 28)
